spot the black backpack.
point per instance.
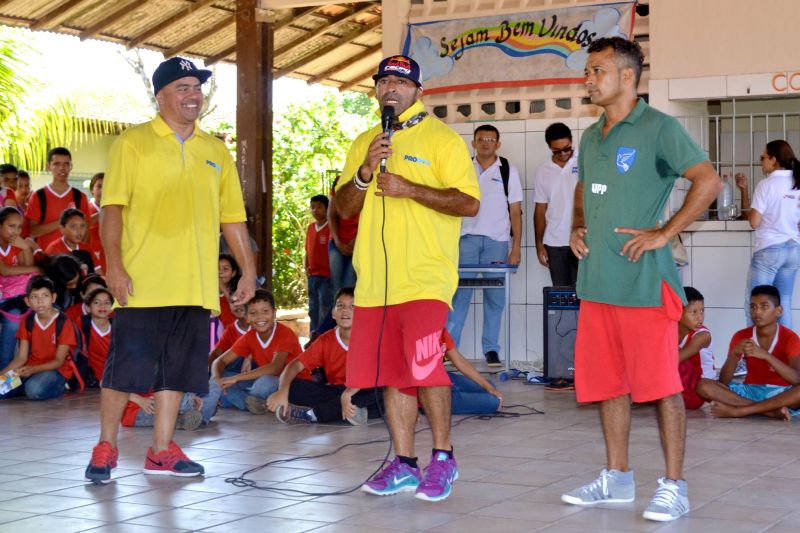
(76, 198)
(79, 360)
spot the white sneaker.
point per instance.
(670, 501)
(604, 489)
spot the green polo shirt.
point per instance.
(627, 179)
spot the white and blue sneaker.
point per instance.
(612, 486)
(670, 501)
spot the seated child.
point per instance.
(772, 355)
(471, 393)
(16, 269)
(314, 401)
(232, 333)
(41, 360)
(73, 236)
(96, 329)
(271, 345)
(80, 309)
(695, 355)
(140, 411)
(229, 275)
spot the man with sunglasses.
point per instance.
(554, 193)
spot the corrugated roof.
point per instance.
(333, 44)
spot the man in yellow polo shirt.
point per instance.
(406, 259)
(168, 190)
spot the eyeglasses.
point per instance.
(564, 151)
(490, 140)
(763, 157)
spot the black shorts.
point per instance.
(159, 348)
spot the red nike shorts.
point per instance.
(628, 350)
(410, 346)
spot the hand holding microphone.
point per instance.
(379, 150)
(387, 118)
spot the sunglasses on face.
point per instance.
(563, 151)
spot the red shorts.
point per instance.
(628, 350)
(411, 353)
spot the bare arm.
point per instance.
(706, 183)
(539, 225)
(576, 242)
(37, 229)
(698, 342)
(280, 398)
(271, 369)
(20, 359)
(238, 240)
(119, 282)
(515, 212)
(448, 201)
(466, 368)
(54, 364)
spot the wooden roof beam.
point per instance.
(341, 66)
(55, 16)
(325, 28)
(115, 16)
(316, 54)
(204, 34)
(288, 20)
(220, 56)
(355, 81)
(179, 16)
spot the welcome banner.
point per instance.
(516, 50)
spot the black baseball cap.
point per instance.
(400, 66)
(176, 68)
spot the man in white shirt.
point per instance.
(554, 191)
(485, 237)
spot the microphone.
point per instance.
(387, 117)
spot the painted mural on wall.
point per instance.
(521, 49)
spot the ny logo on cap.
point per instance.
(186, 64)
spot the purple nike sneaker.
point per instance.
(437, 480)
(397, 477)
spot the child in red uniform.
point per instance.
(772, 355)
(73, 230)
(96, 188)
(140, 411)
(271, 344)
(316, 263)
(81, 309)
(229, 274)
(16, 268)
(695, 348)
(232, 333)
(329, 401)
(98, 324)
(41, 361)
(58, 196)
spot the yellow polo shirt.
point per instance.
(421, 244)
(174, 196)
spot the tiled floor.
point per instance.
(744, 475)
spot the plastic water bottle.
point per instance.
(725, 199)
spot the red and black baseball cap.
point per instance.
(400, 66)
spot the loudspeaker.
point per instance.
(560, 326)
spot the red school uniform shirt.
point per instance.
(43, 343)
(785, 347)
(231, 334)
(10, 255)
(60, 246)
(226, 316)
(56, 204)
(94, 238)
(317, 238)
(347, 227)
(97, 347)
(282, 339)
(329, 352)
(131, 410)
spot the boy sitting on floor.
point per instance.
(695, 355)
(772, 355)
(41, 359)
(271, 344)
(324, 402)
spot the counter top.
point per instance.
(719, 225)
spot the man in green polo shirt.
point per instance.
(631, 296)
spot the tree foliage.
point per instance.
(34, 120)
(310, 143)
